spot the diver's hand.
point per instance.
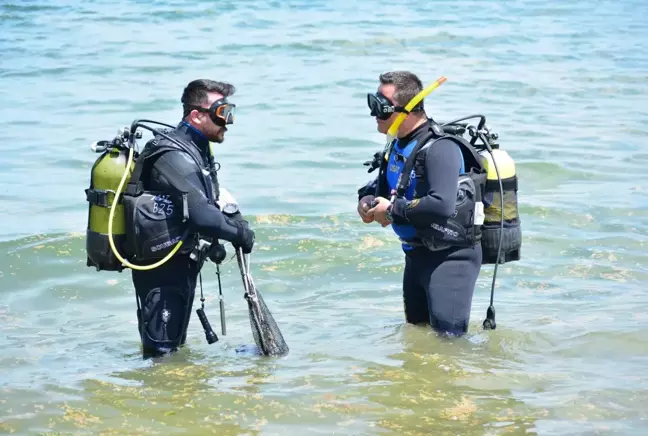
(245, 238)
(379, 211)
(363, 209)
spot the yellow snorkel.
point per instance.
(393, 129)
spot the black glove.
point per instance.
(217, 253)
(235, 217)
(375, 163)
(245, 236)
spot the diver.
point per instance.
(185, 183)
(434, 209)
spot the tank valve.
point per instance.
(99, 146)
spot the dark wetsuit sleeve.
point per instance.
(178, 171)
(442, 165)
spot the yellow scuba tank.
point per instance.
(113, 229)
(499, 161)
(105, 177)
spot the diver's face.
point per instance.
(388, 91)
(212, 131)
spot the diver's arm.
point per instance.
(178, 171)
(442, 164)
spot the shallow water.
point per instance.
(564, 86)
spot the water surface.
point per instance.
(564, 86)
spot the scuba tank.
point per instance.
(501, 238)
(494, 215)
(501, 232)
(109, 233)
(106, 174)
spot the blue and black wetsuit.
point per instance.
(165, 294)
(438, 284)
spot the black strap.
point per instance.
(434, 131)
(202, 297)
(213, 170)
(473, 160)
(404, 178)
(510, 184)
(99, 197)
(135, 186)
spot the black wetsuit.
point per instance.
(438, 286)
(165, 294)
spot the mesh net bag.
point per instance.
(267, 335)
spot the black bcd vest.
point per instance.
(156, 221)
(463, 228)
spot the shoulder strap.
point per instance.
(134, 185)
(472, 159)
(435, 131)
(213, 169)
(404, 178)
(471, 156)
(152, 150)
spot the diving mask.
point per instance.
(382, 108)
(221, 112)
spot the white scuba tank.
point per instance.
(505, 164)
(512, 240)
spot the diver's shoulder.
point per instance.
(445, 141)
(430, 142)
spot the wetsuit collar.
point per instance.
(189, 132)
(420, 130)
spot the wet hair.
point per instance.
(196, 93)
(407, 86)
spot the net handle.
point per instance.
(248, 282)
(244, 268)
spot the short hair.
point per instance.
(407, 84)
(196, 93)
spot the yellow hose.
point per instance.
(110, 224)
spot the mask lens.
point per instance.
(226, 112)
(379, 106)
(223, 113)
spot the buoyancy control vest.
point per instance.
(463, 229)
(395, 165)
(146, 225)
(156, 221)
(500, 233)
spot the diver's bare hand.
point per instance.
(379, 211)
(364, 205)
